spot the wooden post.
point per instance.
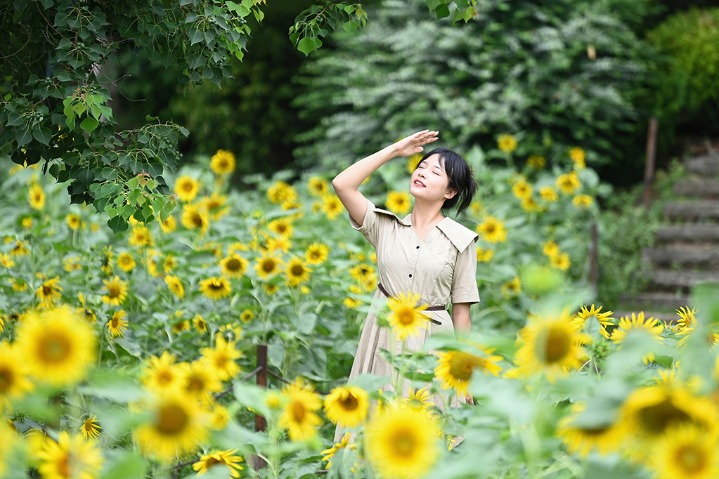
(649, 166)
(260, 421)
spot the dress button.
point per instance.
(410, 275)
(417, 246)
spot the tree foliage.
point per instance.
(55, 89)
(563, 73)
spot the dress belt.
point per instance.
(431, 308)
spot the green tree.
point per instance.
(55, 87)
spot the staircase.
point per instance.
(686, 249)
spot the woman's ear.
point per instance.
(450, 193)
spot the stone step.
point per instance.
(687, 233)
(687, 256)
(706, 165)
(692, 210)
(697, 187)
(680, 281)
(656, 301)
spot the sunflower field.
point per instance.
(135, 355)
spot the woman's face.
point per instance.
(429, 181)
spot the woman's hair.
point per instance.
(460, 178)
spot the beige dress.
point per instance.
(441, 268)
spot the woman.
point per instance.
(425, 253)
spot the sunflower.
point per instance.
(582, 201)
(187, 188)
(548, 194)
(234, 266)
(344, 443)
(550, 248)
(215, 205)
(492, 230)
(653, 411)
(298, 415)
(399, 202)
(455, 368)
(27, 222)
(560, 261)
(140, 236)
(281, 226)
(536, 161)
(117, 324)
(637, 322)
(418, 399)
(362, 272)
(247, 315)
(227, 458)
(175, 286)
(126, 262)
(551, 345)
(73, 221)
(72, 263)
(8, 439)
(603, 318)
(512, 287)
(582, 438)
(36, 197)
(407, 318)
(200, 324)
(200, 380)
(297, 272)
(219, 417)
(281, 243)
(484, 255)
(57, 346)
(506, 143)
(6, 261)
(223, 358)
(69, 457)
(160, 373)
(14, 382)
(568, 183)
(317, 186)
(175, 427)
(215, 288)
(194, 217)
(402, 442)
(521, 189)
(316, 253)
(578, 156)
(281, 192)
(268, 265)
(331, 206)
(530, 205)
(90, 427)
(687, 319)
(116, 291)
(19, 249)
(685, 451)
(222, 162)
(168, 225)
(49, 292)
(347, 406)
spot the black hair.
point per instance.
(460, 178)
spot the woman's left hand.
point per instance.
(414, 142)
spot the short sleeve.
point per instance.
(464, 280)
(369, 227)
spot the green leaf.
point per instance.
(117, 224)
(309, 44)
(128, 465)
(442, 11)
(23, 136)
(42, 135)
(350, 26)
(196, 36)
(89, 124)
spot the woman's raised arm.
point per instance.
(346, 184)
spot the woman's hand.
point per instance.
(413, 143)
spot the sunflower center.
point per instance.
(556, 345)
(171, 419)
(216, 286)
(234, 264)
(188, 187)
(6, 380)
(47, 290)
(404, 443)
(212, 462)
(657, 418)
(268, 266)
(315, 255)
(349, 403)
(405, 316)
(197, 219)
(461, 366)
(195, 384)
(297, 270)
(54, 348)
(114, 322)
(690, 459)
(63, 465)
(114, 290)
(298, 411)
(221, 361)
